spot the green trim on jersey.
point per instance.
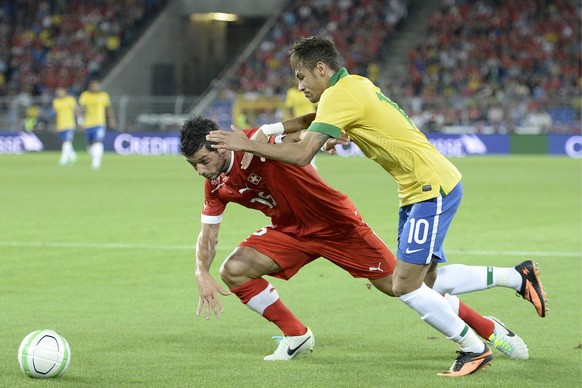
(328, 129)
(341, 73)
(354, 106)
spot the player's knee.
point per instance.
(229, 271)
(402, 286)
(234, 270)
(384, 285)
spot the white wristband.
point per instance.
(272, 129)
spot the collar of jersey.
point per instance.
(341, 73)
(231, 163)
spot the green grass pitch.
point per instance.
(106, 259)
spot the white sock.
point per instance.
(96, 151)
(459, 279)
(454, 302)
(436, 311)
(68, 153)
(264, 299)
(65, 150)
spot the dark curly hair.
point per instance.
(193, 135)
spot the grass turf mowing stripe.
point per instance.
(63, 244)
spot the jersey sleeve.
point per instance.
(106, 100)
(337, 110)
(213, 205)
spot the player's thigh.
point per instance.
(95, 134)
(66, 135)
(360, 252)
(247, 262)
(423, 227)
(287, 251)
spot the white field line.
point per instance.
(56, 244)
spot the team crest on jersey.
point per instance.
(254, 179)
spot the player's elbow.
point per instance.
(303, 160)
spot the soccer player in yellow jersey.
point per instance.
(66, 110)
(296, 105)
(429, 186)
(97, 111)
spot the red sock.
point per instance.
(482, 326)
(268, 304)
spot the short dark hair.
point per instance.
(308, 51)
(193, 135)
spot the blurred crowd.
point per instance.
(498, 66)
(50, 43)
(359, 28)
(502, 64)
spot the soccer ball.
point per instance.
(43, 354)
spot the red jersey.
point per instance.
(296, 199)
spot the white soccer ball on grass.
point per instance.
(43, 354)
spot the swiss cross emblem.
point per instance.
(254, 179)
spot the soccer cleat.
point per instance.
(467, 363)
(507, 342)
(290, 346)
(532, 288)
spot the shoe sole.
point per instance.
(531, 294)
(484, 360)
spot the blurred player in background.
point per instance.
(309, 220)
(97, 116)
(66, 111)
(296, 105)
(429, 185)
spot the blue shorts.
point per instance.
(66, 135)
(422, 227)
(95, 134)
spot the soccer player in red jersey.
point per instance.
(309, 219)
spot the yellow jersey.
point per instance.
(380, 128)
(95, 104)
(65, 111)
(298, 103)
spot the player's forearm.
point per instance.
(205, 253)
(111, 118)
(298, 123)
(294, 153)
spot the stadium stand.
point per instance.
(52, 43)
(499, 65)
(359, 29)
(485, 66)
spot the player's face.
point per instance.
(210, 164)
(94, 86)
(312, 82)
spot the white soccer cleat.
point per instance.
(291, 346)
(507, 342)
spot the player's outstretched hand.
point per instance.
(330, 144)
(208, 290)
(248, 157)
(234, 140)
